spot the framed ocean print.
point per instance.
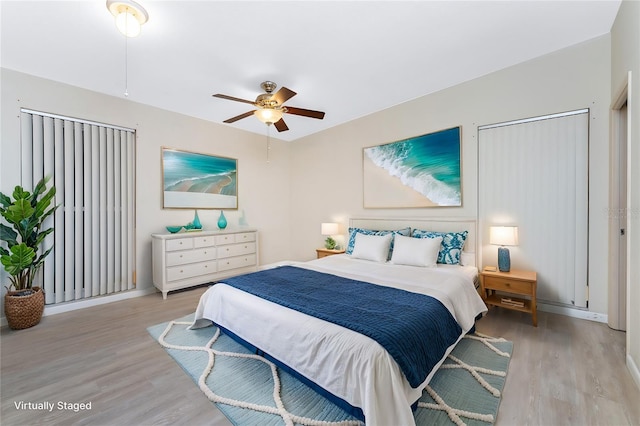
(193, 180)
(423, 171)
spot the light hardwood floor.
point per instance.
(564, 372)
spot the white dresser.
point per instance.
(191, 258)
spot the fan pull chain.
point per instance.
(268, 140)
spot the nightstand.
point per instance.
(519, 283)
(327, 252)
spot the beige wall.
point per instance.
(319, 178)
(625, 57)
(263, 187)
(327, 167)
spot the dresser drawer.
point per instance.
(508, 285)
(208, 241)
(190, 256)
(236, 262)
(236, 250)
(182, 272)
(225, 239)
(245, 237)
(179, 244)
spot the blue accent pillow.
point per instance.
(451, 246)
(354, 231)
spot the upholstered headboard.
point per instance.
(428, 224)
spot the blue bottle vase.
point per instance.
(222, 221)
(196, 222)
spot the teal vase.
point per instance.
(196, 222)
(222, 221)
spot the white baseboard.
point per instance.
(86, 303)
(634, 370)
(573, 312)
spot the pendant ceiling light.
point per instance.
(268, 115)
(130, 16)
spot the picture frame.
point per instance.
(423, 171)
(192, 180)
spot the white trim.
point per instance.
(539, 118)
(79, 120)
(634, 370)
(60, 308)
(573, 312)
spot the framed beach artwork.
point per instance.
(192, 180)
(423, 171)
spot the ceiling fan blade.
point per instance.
(238, 117)
(281, 126)
(231, 98)
(305, 112)
(283, 95)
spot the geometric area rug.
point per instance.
(251, 390)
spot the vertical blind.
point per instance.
(534, 174)
(92, 168)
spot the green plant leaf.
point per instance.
(43, 204)
(20, 210)
(39, 261)
(5, 200)
(9, 235)
(20, 259)
(20, 194)
(40, 187)
(41, 236)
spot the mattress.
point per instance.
(347, 364)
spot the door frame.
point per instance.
(616, 287)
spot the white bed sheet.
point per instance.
(348, 364)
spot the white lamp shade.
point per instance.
(329, 228)
(503, 235)
(129, 16)
(128, 24)
(268, 115)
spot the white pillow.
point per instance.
(416, 251)
(467, 259)
(372, 247)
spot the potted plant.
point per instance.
(22, 258)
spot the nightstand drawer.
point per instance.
(506, 284)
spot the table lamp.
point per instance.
(503, 236)
(328, 230)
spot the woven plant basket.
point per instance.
(24, 311)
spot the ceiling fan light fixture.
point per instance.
(268, 115)
(129, 15)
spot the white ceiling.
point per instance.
(349, 59)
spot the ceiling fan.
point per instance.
(270, 106)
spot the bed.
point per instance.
(349, 366)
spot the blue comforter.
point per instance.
(414, 328)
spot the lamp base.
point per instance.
(504, 259)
